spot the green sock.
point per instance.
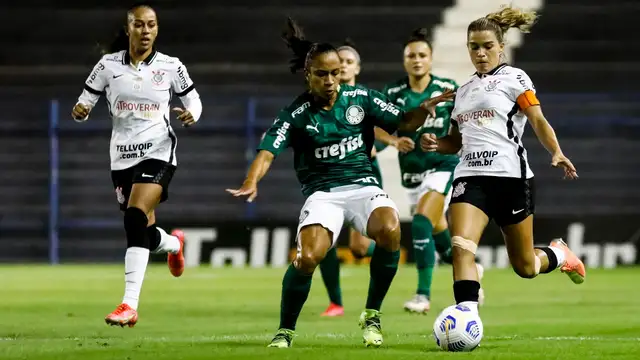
(424, 251)
(382, 269)
(330, 271)
(371, 249)
(443, 245)
(295, 290)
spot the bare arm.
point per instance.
(259, 167)
(547, 137)
(545, 133)
(449, 144)
(384, 137)
(257, 171)
(415, 118)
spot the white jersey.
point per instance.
(488, 117)
(139, 104)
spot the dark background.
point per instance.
(581, 56)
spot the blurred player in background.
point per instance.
(331, 130)
(426, 176)
(137, 82)
(360, 245)
(493, 179)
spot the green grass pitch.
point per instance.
(57, 313)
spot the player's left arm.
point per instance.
(184, 88)
(391, 118)
(524, 94)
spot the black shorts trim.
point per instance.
(506, 200)
(151, 171)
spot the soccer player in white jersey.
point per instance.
(138, 82)
(493, 179)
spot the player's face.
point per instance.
(142, 28)
(417, 59)
(323, 75)
(484, 50)
(349, 67)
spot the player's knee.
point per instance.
(526, 268)
(387, 235)
(306, 261)
(135, 225)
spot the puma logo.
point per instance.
(313, 128)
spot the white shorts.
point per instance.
(332, 209)
(437, 181)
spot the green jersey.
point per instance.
(415, 165)
(332, 148)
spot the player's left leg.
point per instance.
(375, 215)
(146, 192)
(515, 218)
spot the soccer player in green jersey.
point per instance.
(360, 245)
(331, 130)
(426, 176)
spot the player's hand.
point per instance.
(248, 188)
(184, 116)
(430, 105)
(429, 142)
(559, 160)
(404, 144)
(80, 112)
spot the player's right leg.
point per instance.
(320, 224)
(469, 216)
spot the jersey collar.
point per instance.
(126, 59)
(492, 72)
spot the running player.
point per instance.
(493, 179)
(137, 82)
(330, 128)
(360, 245)
(426, 176)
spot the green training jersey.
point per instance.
(415, 165)
(332, 148)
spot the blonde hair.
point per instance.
(501, 21)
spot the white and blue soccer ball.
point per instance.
(458, 328)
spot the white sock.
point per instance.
(168, 243)
(471, 305)
(559, 255)
(135, 265)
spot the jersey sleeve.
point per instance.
(383, 112)
(181, 82)
(278, 137)
(520, 90)
(95, 84)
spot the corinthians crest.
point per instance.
(158, 77)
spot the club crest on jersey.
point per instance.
(354, 114)
(158, 77)
(120, 196)
(493, 84)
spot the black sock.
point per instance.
(135, 225)
(553, 259)
(466, 290)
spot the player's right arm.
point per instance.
(93, 88)
(274, 141)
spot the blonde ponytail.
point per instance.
(506, 18)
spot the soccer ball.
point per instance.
(458, 328)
